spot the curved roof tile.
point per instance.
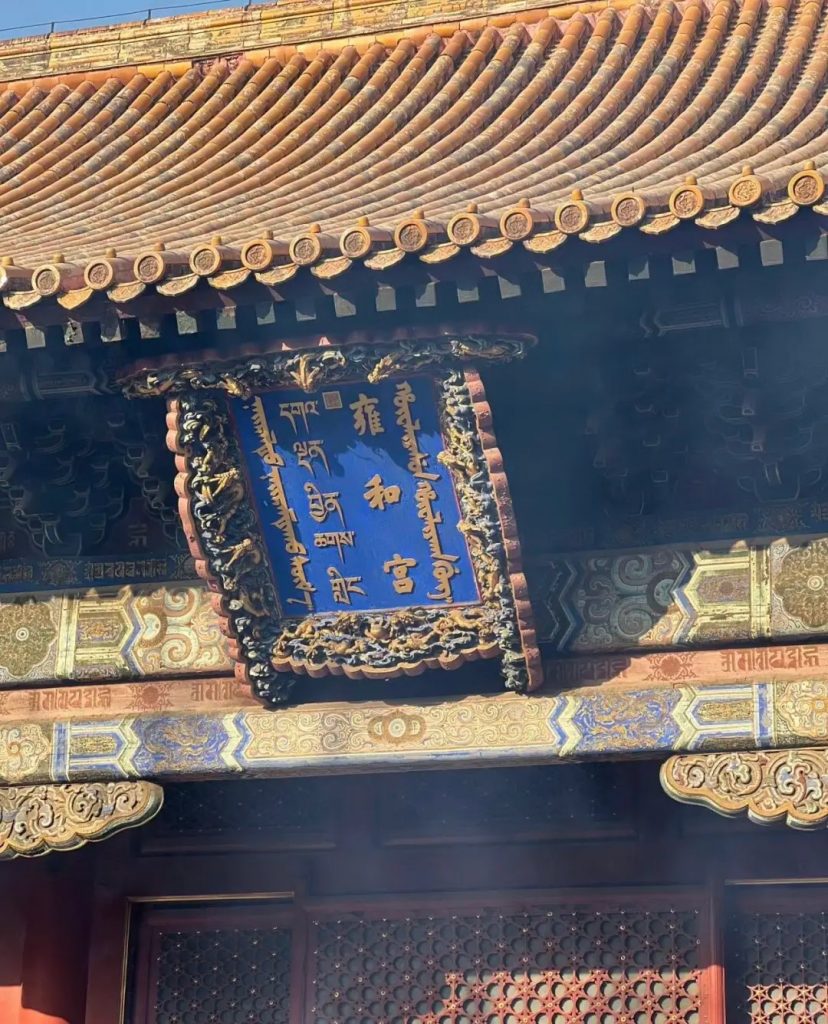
(526, 129)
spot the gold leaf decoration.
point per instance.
(769, 786)
(40, 819)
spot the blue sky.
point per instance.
(28, 12)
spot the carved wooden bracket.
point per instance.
(770, 786)
(39, 819)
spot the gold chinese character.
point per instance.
(343, 586)
(307, 451)
(378, 495)
(366, 416)
(322, 503)
(399, 568)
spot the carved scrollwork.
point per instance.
(770, 786)
(40, 819)
(311, 369)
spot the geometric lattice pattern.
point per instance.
(778, 968)
(555, 966)
(523, 802)
(228, 976)
(293, 807)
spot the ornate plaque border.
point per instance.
(225, 538)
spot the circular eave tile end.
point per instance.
(355, 243)
(149, 267)
(572, 216)
(806, 187)
(46, 280)
(205, 260)
(464, 228)
(411, 235)
(517, 224)
(686, 201)
(745, 191)
(628, 210)
(306, 249)
(257, 255)
(99, 274)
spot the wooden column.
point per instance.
(56, 945)
(12, 937)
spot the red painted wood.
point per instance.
(12, 938)
(56, 948)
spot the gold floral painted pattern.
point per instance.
(24, 751)
(802, 583)
(27, 632)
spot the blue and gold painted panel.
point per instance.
(356, 507)
(229, 736)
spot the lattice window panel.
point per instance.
(528, 803)
(777, 970)
(227, 976)
(290, 808)
(553, 966)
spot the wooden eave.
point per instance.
(309, 154)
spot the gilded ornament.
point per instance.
(769, 786)
(35, 820)
(24, 748)
(802, 583)
(27, 633)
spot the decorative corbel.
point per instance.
(770, 786)
(35, 820)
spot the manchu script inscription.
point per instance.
(357, 511)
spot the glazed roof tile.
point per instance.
(522, 128)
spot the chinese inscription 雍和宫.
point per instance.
(357, 511)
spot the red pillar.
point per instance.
(56, 947)
(12, 935)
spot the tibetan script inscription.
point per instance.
(357, 511)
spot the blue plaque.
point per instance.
(350, 507)
(356, 509)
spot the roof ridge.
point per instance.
(190, 38)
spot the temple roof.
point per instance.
(522, 128)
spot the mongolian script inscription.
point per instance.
(357, 511)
